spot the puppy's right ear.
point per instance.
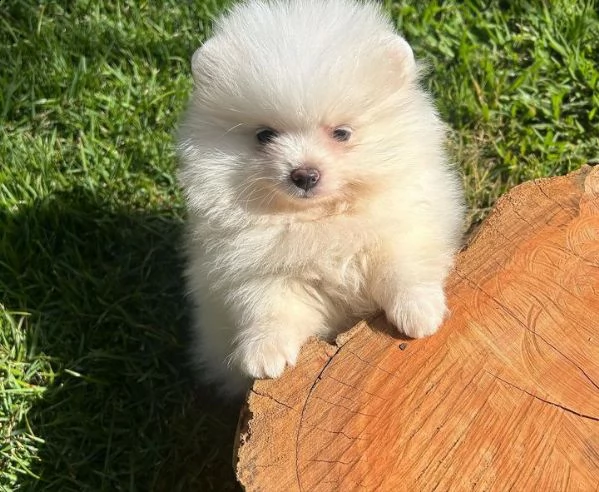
(200, 61)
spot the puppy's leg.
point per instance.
(274, 318)
(407, 283)
(211, 346)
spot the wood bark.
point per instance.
(505, 396)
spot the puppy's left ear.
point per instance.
(402, 53)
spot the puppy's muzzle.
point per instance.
(305, 178)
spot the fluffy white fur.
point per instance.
(270, 265)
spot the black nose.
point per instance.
(305, 179)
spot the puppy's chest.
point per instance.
(328, 258)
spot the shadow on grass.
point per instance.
(120, 411)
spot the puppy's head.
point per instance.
(303, 103)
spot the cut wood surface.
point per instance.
(505, 396)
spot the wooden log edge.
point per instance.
(318, 426)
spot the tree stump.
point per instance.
(505, 396)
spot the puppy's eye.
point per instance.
(342, 133)
(266, 135)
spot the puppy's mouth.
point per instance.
(303, 194)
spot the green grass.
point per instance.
(94, 393)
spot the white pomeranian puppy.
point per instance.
(317, 183)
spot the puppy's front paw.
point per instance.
(266, 357)
(418, 312)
